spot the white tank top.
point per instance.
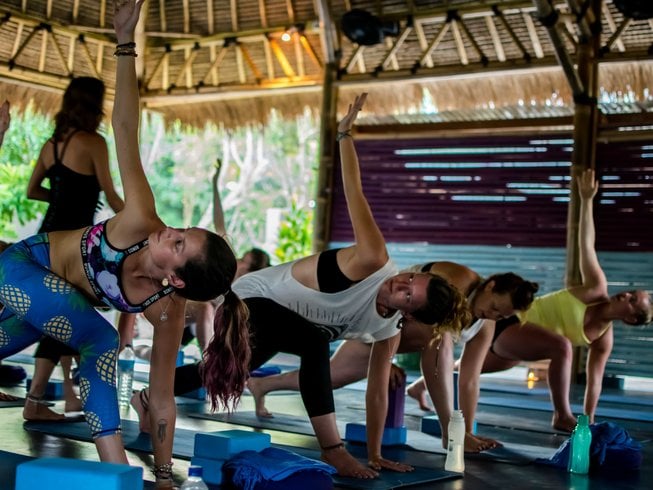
(347, 314)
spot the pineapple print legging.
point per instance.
(38, 302)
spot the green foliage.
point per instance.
(20, 150)
(295, 235)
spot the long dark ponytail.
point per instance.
(226, 359)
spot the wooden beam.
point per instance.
(391, 54)
(496, 40)
(71, 51)
(353, 59)
(291, 11)
(186, 12)
(241, 48)
(75, 11)
(103, 13)
(183, 72)
(281, 58)
(310, 51)
(434, 44)
(156, 68)
(210, 22)
(607, 15)
(43, 51)
(423, 43)
(233, 7)
(299, 54)
(213, 69)
(616, 36)
(532, 34)
(460, 43)
(163, 18)
(89, 58)
(484, 59)
(60, 55)
(511, 32)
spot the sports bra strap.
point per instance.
(58, 159)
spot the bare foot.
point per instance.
(6, 397)
(419, 394)
(254, 386)
(476, 444)
(141, 409)
(36, 411)
(347, 465)
(73, 405)
(563, 423)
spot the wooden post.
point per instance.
(324, 202)
(584, 155)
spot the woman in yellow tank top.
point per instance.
(576, 316)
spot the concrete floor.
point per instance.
(493, 421)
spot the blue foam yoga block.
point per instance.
(431, 425)
(64, 474)
(180, 358)
(392, 436)
(211, 469)
(53, 390)
(227, 443)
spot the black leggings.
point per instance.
(275, 329)
(53, 350)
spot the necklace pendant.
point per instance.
(164, 316)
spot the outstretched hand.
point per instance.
(352, 113)
(5, 118)
(587, 184)
(125, 18)
(381, 463)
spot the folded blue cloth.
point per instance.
(611, 448)
(249, 468)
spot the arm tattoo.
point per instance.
(162, 429)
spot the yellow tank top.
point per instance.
(560, 312)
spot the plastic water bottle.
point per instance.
(456, 445)
(194, 481)
(579, 450)
(126, 361)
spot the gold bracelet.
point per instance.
(343, 134)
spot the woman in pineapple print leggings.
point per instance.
(48, 305)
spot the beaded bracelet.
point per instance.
(343, 134)
(126, 49)
(163, 471)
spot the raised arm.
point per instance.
(594, 285)
(139, 200)
(218, 212)
(5, 120)
(369, 251)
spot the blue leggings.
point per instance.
(38, 302)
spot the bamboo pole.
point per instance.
(584, 154)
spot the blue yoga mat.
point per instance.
(545, 405)
(605, 397)
(183, 448)
(418, 441)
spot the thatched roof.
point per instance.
(224, 61)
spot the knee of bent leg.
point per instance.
(562, 349)
(101, 341)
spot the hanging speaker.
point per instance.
(635, 9)
(366, 29)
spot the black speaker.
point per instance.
(366, 29)
(635, 9)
